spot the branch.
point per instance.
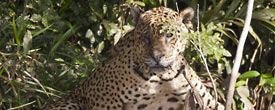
(239, 54)
(203, 58)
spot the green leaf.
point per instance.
(266, 76)
(104, 9)
(63, 73)
(232, 37)
(165, 3)
(35, 18)
(273, 81)
(262, 82)
(1, 71)
(96, 9)
(249, 74)
(226, 53)
(240, 83)
(234, 4)
(100, 47)
(65, 5)
(129, 2)
(270, 81)
(117, 37)
(69, 33)
(89, 34)
(266, 14)
(110, 27)
(242, 10)
(151, 3)
(42, 30)
(15, 34)
(270, 25)
(38, 101)
(212, 14)
(243, 91)
(139, 3)
(160, 2)
(267, 79)
(27, 41)
(251, 31)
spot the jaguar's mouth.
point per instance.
(160, 64)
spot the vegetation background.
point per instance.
(48, 46)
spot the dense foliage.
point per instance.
(48, 46)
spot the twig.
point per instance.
(5, 78)
(21, 106)
(208, 72)
(239, 54)
(14, 90)
(9, 79)
(7, 91)
(177, 6)
(270, 100)
(253, 57)
(7, 71)
(6, 54)
(204, 60)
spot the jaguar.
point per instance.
(147, 70)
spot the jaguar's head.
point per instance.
(160, 30)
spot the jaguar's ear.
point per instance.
(187, 15)
(135, 12)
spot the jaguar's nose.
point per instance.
(158, 57)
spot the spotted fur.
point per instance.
(144, 70)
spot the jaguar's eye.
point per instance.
(169, 35)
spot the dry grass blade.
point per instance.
(21, 106)
(37, 81)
